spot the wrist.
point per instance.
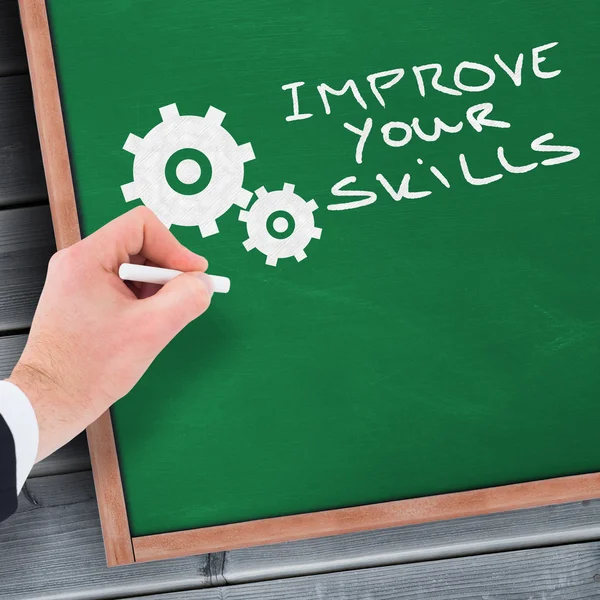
(55, 411)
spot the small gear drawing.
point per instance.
(280, 224)
(188, 170)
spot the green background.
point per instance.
(424, 346)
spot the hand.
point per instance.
(93, 336)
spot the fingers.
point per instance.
(146, 290)
(177, 303)
(139, 232)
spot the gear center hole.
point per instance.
(280, 224)
(188, 171)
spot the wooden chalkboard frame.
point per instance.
(121, 547)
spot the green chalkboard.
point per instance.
(443, 332)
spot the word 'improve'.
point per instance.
(398, 134)
(394, 76)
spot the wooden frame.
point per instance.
(120, 547)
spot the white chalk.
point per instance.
(144, 274)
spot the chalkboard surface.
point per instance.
(442, 330)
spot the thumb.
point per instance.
(180, 301)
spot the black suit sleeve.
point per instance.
(8, 472)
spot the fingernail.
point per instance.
(205, 279)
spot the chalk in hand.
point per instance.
(144, 274)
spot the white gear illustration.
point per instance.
(199, 158)
(291, 205)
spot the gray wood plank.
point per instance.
(538, 527)
(52, 549)
(12, 48)
(72, 458)
(565, 573)
(563, 524)
(21, 171)
(26, 244)
(11, 347)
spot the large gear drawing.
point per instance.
(290, 206)
(188, 170)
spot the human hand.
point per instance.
(93, 336)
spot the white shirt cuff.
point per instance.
(20, 417)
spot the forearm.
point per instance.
(92, 337)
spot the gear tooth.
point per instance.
(169, 112)
(249, 245)
(289, 187)
(214, 115)
(312, 205)
(243, 216)
(246, 152)
(133, 143)
(316, 233)
(242, 198)
(271, 261)
(130, 191)
(261, 191)
(300, 255)
(208, 229)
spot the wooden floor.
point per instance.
(52, 548)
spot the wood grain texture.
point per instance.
(552, 525)
(26, 245)
(50, 122)
(109, 490)
(565, 573)
(72, 458)
(52, 549)
(363, 518)
(12, 49)
(21, 175)
(11, 347)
